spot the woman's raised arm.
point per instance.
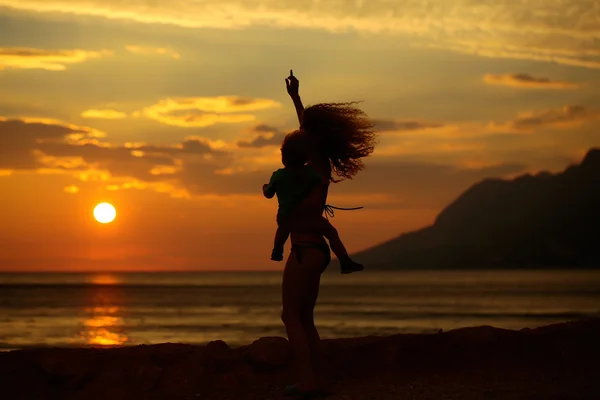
(293, 85)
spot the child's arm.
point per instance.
(269, 188)
(293, 84)
(268, 192)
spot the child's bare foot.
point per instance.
(348, 266)
(277, 255)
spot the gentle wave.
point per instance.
(70, 310)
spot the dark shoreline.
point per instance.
(559, 361)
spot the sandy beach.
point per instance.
(558, 361)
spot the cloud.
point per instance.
(461, 142)
(575, 58)
(191, 145)
(450, 157)
(149, 51)
(19, 140)
(195, 118)
(273, 137)
(563, 117)
(195, 166)
(50, 60)
(103, 114)
(527, 81)
(426, 149)
(206, 111)
(71, 189)
(414, 135)
(384, 125)
(52, 146)
(560, 31)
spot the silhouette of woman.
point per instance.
(339, 136)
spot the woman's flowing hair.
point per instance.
(342, 133)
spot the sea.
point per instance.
(124, 309)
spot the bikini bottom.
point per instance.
(322, 247)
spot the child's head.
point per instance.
(295, 149)
(342, 133)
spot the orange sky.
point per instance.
(158, 111)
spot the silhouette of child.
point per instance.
(292, 184)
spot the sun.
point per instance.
(105, 213)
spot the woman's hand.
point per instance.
(292, 84)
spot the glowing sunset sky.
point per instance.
(174, 111)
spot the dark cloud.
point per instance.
(19, 140)
(93, 153)
(119, 161)
(263, 141)
(189, 146)
(273, 137)
(21, 143)
(565, 116)
(264, 128)
(242, 101)
(199, 169)
(527, 81)
(403, 125)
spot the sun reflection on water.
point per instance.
(104, 324)
(103, 328)
(105, 279)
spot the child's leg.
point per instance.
(338, 248)
(281, 235)
(329, 231)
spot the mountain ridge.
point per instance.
(532, 221)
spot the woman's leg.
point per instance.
(298, 290)
(313, 257)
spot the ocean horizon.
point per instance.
(96, 309)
